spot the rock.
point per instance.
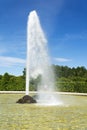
(26, 99)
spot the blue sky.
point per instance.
(64, 23)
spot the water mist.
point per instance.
(38, 62)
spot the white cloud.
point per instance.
(11, 61)
(62, 59)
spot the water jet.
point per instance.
(38, 62)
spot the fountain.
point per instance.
(38, 63)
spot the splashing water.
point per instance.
(38, 62)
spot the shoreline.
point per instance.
(61, 93)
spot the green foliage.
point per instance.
(73, 84)
(71, 79)
(67, 80)
(12, 83)
(4, 81)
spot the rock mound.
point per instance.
(26, 99)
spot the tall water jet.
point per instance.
(38, 61)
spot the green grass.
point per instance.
(71, 116)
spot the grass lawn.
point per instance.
(70, 116)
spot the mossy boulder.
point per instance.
(26, 99)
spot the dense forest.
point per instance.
(66, 79)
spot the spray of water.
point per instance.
(38, 62)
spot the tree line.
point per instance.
(70, 79)
(66, 79)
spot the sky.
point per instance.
(64, 23)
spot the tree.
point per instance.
(24, 73)
(5, 81)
